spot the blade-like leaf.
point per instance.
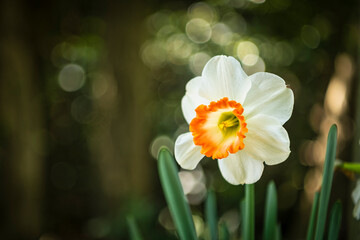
(224, 232)
(327, 182)
(311, 227)
(249, 223)
(270, 212)
(175, 198)
(211, 215)
(335, 221)
(133, 229)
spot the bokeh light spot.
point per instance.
(165, 219)
(259, 66)
(247, 52)
(198, 30)
(335, 98)
(198, 61)
(257, 1)
(178, 48)
(71, 77)
(221, 34)
(153, 54)
(232, 220)
(82, 110)
(199, 225)
(159, 142)
(193, 183)
(203, 11)
(99, 85)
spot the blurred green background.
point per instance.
(89, 91)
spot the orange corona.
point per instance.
(219, 128)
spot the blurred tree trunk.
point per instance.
(21, 122)
(121, 140)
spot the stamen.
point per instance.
(219, 128)
(231, 122)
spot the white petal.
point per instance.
(192, 98)
(269, 95)
(266, 140)
(194, 85)
(187, 154)
(224, 77)
(240, 168)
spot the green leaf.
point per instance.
(354, 167)
(249, 211)
(175, 198)
(224, 232)
(270, 212)
(133, 229)
(311, 227)
(326, 182)
(335, 221)
(210, 214)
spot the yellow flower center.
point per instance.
(219, 128)
(228, 122)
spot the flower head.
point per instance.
(236, 119)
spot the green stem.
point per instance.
(249, 224)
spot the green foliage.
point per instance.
(270, 222)
(314, 208)
(175, 198)
(350, 166)
(335, 221)
(133, 229)
(224, 232)
(327, 182)
(181, 213)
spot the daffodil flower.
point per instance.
(236, 119)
